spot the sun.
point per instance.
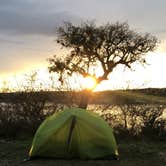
(89, 82)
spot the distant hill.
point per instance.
(136, 96)
(151, 91)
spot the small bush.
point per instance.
(22, 116)
(135, 119)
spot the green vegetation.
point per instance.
(126, 97)
(143, 98)
(132, 153)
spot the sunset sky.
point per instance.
(27, 35)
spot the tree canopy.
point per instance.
(105, 46)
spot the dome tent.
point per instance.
(74, 133)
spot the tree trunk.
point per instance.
(85, 96)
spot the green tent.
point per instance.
(74, 133)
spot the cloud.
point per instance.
(31, 17)
(41, 16)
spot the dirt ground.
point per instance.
(132, 153)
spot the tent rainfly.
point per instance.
(74, 133)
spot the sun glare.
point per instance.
(89, 82)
